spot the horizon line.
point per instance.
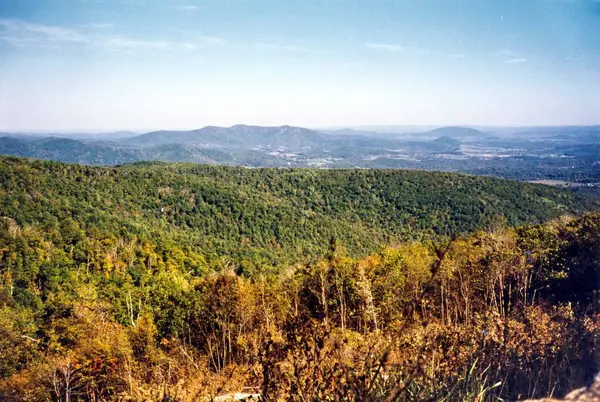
(26, 131)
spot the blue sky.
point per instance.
(150, 64)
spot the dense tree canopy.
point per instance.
(265, 216)
(172, 282)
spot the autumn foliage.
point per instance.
(502, 313)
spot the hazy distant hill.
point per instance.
(295, 138)
(67, 150)
(85, 137)
(456, 132)
(117, 153)
(109, 136)
(557, 153)
(447, 141)
(383, 129)
(579, 134)
(446, 144)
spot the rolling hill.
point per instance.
(559, 153)
(273, 213)
(68, 150)
(295, 138)
(113, 273)
(456, 133)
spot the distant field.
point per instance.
(564, 183)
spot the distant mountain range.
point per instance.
(456, 133)
(239, 144)
(243, 136)
(556, 153)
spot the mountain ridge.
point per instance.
(217, 207)
(564, 154)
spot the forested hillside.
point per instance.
(508, 313)
(264, 217)
(299, 201)
(178, 282)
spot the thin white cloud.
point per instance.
(39, 33)
(506, 53)
(187, 7)
(290, 48)
(459, 56)
(201, 40)
(412, 50)
(350, 64)
(508, 56)
(388, 47)
(24, 43)
(58, 34)
(96, 25)
(124, 43)
(23, 34)
(516, 60)
(212, 40)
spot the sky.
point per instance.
(103, 65)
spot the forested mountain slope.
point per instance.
(500, 315)
(266, 216)
(179, 282)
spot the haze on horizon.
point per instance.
(137, 64)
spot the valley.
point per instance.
(558, 153)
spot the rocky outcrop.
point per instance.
(237, 397)
(589, 394)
